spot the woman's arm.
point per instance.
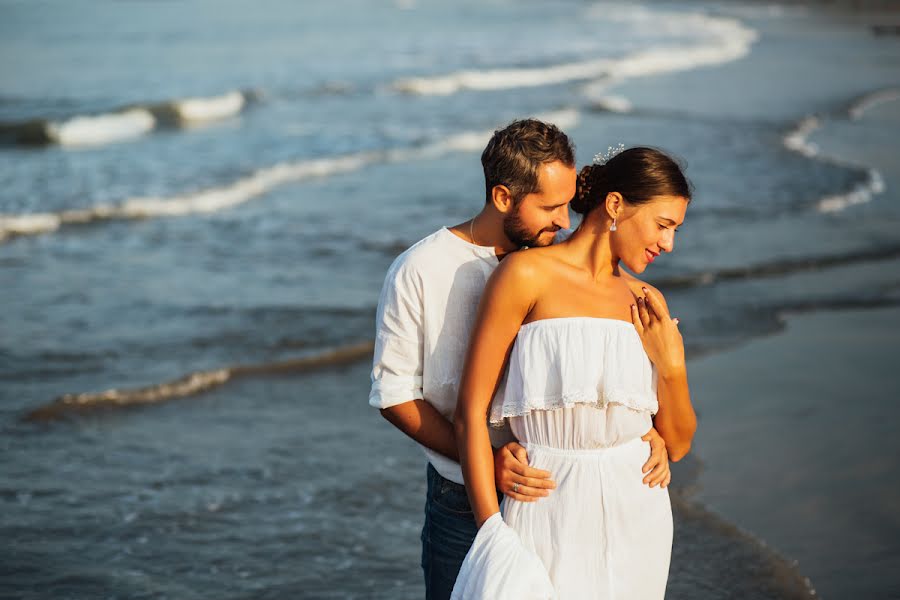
(675, 420)
(507, 300)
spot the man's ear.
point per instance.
(502, 199)
(614, 204)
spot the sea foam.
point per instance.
(255, 185)
(128, 122)
(872, 183)
(730, 41)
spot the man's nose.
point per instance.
(562, 219)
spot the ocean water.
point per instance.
(198, 205)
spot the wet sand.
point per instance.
(797, 442)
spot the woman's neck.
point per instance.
(590, 248)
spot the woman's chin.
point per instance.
(636, 267)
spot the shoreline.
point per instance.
(768, 455)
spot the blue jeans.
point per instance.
(447, 535)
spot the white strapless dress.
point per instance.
(579, 393)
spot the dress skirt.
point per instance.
(602, 533)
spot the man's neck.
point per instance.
(486, 229)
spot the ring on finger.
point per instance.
(515, 488)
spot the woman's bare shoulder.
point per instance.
(636, 284)
(525, 268)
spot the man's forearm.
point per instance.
(422, 422)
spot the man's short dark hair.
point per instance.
(516, 152)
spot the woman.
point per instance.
(592, 354)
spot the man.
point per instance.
(426, 313)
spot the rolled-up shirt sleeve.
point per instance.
(397, 365)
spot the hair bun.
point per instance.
(581, 202)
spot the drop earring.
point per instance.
(613, 226)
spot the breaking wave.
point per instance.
(870, 101)
(731, 40)
(127, 123)
(252, 186)
(871, 184)
(192, 384)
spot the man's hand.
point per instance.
(657, 466)
(516, 479)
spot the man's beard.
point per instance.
(520, 236)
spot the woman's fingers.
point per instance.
(643, 312)
(636, 319)
(655, 303)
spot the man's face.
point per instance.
(537, 217)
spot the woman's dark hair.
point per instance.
(638, 174)
(515, 153)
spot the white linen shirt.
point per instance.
(425, 316)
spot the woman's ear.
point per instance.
(502, 199)
(614, 202)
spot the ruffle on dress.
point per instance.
(560, 362)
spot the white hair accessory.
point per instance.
(602, 159)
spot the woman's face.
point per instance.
(645, 231)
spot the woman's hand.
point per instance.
(659, 333)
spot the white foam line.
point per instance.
(866, 103)
(502, 79)
(616, 104)
(253, 186)
(199, 110)
(205, 201)
(101, 129)
(861, 194)
(732, 40)
(798, 140)
(134, 122)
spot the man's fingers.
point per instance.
(651, 463)
(657, 477)
(521, 497)
(530, 491)
(521, 454)
(524, 471)
(533, 482)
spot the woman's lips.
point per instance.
(650, 255)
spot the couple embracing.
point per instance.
(546, 384)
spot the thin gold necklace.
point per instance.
(472, 230)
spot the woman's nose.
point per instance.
(667, 242)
